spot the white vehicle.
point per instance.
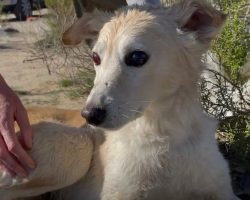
(21, 8)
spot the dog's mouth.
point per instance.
(120, 119)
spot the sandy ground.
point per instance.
(30, 80)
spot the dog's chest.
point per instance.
(139, 169)
(134, 167)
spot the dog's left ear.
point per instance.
(86, 28)
(198, 18)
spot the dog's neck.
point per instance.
(177, 116)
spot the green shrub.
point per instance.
(233, 44)
(72, 64)
(60, 16)
(232, 48)
(66, 83)
(237, 130)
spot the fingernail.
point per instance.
(29, 144)
(32, 165)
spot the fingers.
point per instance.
(12, 153)
(14, 147)
(3, 168)
(24, 125)
(8, 160)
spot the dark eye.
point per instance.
(136, 58)
(96, 58)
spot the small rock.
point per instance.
(11, 30)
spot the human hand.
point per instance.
(13, 155)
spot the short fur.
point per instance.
(156, 142)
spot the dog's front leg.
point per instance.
(63, 155)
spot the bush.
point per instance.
(229, 102)
(224, 96)
(60, 16)
(72, 64)
(238, 138)
(233, 44)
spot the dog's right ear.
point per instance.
(86, 28)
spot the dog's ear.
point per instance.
(86, 28)
(199, 18)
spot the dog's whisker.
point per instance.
(132, 110)
(125, 116)
(121, 106)
(140, 101)
(136, 111)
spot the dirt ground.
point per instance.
(30, 79)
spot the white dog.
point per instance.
(152, 140)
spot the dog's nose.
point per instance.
(94, 116)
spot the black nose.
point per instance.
(94, 116)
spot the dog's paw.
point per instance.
(7, 180)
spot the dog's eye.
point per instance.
(136, 58)
(96, 58)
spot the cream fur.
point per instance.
(156, 143)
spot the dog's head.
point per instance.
(143, 54)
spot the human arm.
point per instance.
(13, 150)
